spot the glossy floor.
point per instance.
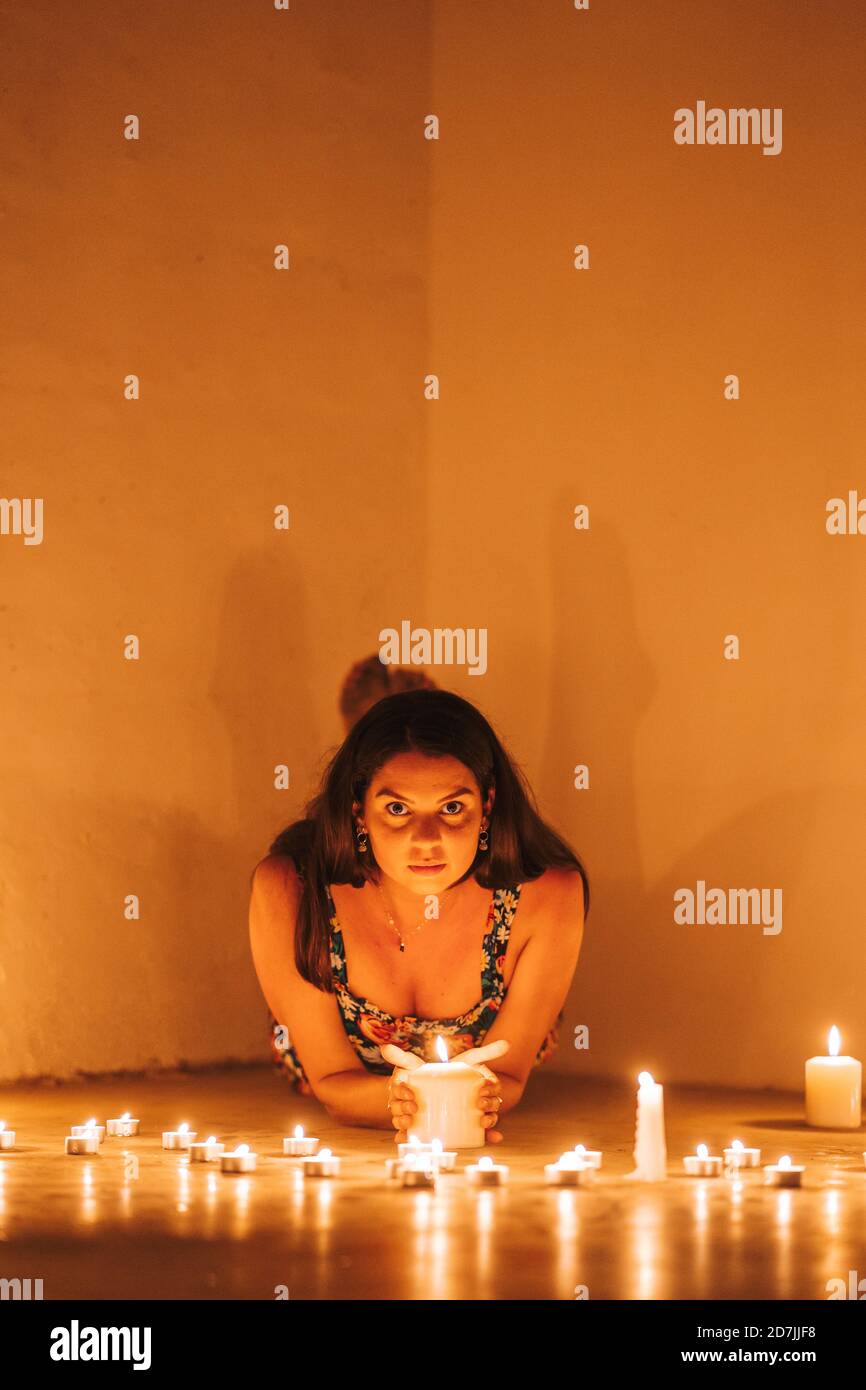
(139, 1222)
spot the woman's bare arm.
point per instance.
(339, 1079)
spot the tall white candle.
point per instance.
(834, 1088)
(447, 1097)
(650, 1150)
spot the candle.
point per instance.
(569, 1170)
(784, 1173)
(179, 1138)
(299, 1144)
(444, 1160)
(414, 1147)
(323, 1164)
(447, 1092)
(703, 1164)
(833, 1089)
(590, 1156)
(207, 1151)
(87, 1142)
(650, 1150)
(88, 1128)
(738, 1156)
(418, 1172)
(7, 1136)
(239, 1160)
(486, 1173)
(394, 1167)
(123, 1127)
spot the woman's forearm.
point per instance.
(356, 1098)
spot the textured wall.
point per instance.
(558, 387)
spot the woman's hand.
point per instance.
(403, 1105)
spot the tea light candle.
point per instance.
(394, 1167)
(123, 1127)
(486, 1173)
(650, 1149)
(323, 1164)
(414, 1147)
(784, 1173)
(179, 1138)
(239, 1160)
(299, 1144)
(85, 1143)
(703, 1164)
(418, 1172)
(7, 1136)
(88, 1128)
(833, 1088)
(444, 1160)
(741, 1157)
(592, 1157)
(569, 1170)
(207, 1151)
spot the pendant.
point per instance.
(402, 946)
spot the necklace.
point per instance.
(391, 921)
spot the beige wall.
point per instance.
(557, 387)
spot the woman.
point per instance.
(422, 853)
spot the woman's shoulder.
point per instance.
(557, 889)
(278, 876)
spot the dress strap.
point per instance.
(497, 937)
(338, 949)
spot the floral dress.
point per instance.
(368, 1027)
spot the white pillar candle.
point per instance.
(703, 1164)
(738, 1156)
(650, 1150)
(7, 1136)
(179, 1138)
(299, 1144)
(590, 1156)
(207, 1151)
(447, 1097)
(834, 1089)
(486, 1173)
(784, 1173)
(570, 1170)
(239, 1160)
(90, 1127)
(123, 1127)
(85, 1143)
(323, 1164)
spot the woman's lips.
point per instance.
(426, 868)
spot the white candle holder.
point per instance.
(299, 1145)
(323, 1164)
(784, 1173)
(592, 1157)
(738, 1156)
(239, 1160)
(569, 1170)
(83, 1143)
(486, 1173)
(413, 1148)
(418, 1173)
(178, 1138)
(703, 1164)
(208, 1151)
(7, 1136)
(77, 1130)
(122, 1128)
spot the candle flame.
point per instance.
(2, 1124)
(738, 1145)
(126, 1115)
(833, 1041)
(413, 1139)
(299, 1131)
(485, 1162)
(242, 1149)
(442, 1048)
(571, 1159)
(579, 1149)
(90, 1124)
(182, 1129)
(324, 1153)
(784, 1161)
(703, 1151)
(646, 1079)
(211, 1139)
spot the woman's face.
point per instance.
(421, 810)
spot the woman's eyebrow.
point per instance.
(461, 791)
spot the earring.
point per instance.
(483, 840)
(362, 848)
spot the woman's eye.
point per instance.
(458, 804)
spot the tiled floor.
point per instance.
(99, 1228)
